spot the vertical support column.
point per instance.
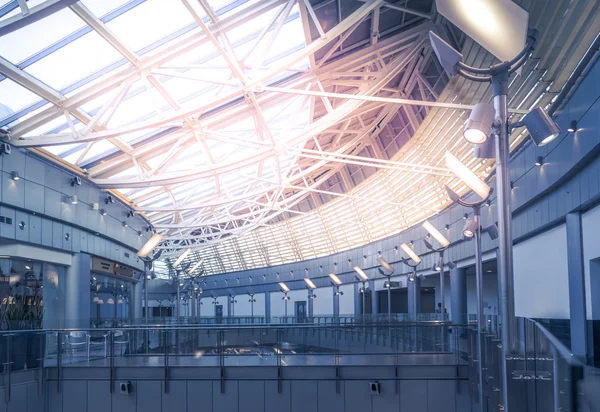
(336, 302)
(458, 293)
(77, 292)
(229, 304)
(357, 300)
(374, 299)
(311, 298)
(135, 307)
(414, 298)
(577, 298)
(267, 307)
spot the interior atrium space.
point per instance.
(299, 205)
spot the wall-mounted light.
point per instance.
(447, 227)
(125, 224)
(76, 181)
(492, 231)
(572, 127)
(74, 200)
(130, 213)
(539, 161)
(109, 199)
(15, 175)
(103, 212)
(465, 216)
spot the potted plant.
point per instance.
(22, 312)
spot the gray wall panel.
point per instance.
(35, 171)
(148, 395)
(53, 178)
(13, 192)
(441, 396)
(200, 396)
(304, 396)
(55, 398)
(357, 396)
(22, 234)
(35, 401)
(98, 399)
(252, 396)
(227, 401)
(413, 396)
(18, 399)
(75, 396)
(274, 401)
(35, 229)
(389, 400)
(7, 230)
(52, 203)
(34, 198)
(57, 238)
(176, 398)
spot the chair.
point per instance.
(97, 340)
(121, 338)
(77, 339)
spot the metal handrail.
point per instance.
(562, 350)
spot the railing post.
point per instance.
(166, 346)
(8, 366)
(58, 360)
(221, 343)
(112, 360)
(41, 364)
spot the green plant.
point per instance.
(21, 311)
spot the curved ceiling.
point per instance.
(262, 132)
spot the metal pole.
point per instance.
(364, 292)
(178, 297)
(285, 300)
(415, 293)
(479, 285)
(505, 261)
(442, 300)
(389, 293)
(145, 335)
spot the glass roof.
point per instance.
(247, 130)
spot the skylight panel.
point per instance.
(150, 21)
(74, 61)
(102, 7)
(16, 97)
(33, 38)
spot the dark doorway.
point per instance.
(368, 303)
(428, 304)
(399, 298)
(219, 313)
(300, 310)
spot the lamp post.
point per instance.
(416, 260)
(252, 301)
(336, 282)
(362, 277)
(390, 271)
(285, 290)
(444, 243)
(473, 230)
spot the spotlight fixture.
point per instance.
(76, 181)
(436, 267)
(479, 125)
(140, 234)
(451, 264)
(109, 199)
(488, 203)
(335, 280)
(309, 284)
(74, 200)
(130, 213)
(412, 277)
(15, 175)
(125, 224)
(181, 257)
(447, 227)
(539, 161)
(492, 230)
(103, 212)
(465, 216)
(573, 126)
(469, 229)
(541, 127)
(360, 275)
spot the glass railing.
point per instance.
(193, 345)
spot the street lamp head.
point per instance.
(360, 275)
(467, 176)
(436, 234)
(411, 253)
(309, 284)
(479, 125)
(385, 264)
(541, 127)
